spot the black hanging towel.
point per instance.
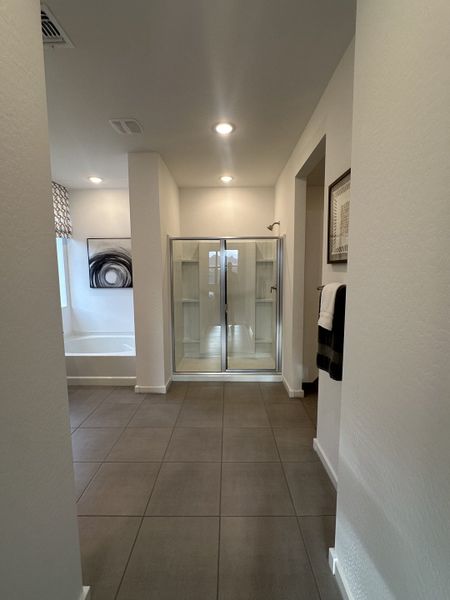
(331, 343)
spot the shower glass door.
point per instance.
(225, 307)
(196, 305)
(251, 298)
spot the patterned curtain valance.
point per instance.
(63, 224)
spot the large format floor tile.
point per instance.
(310, 404)
(295, 444)
(186, 489)
(288, 414)
(195, 444)
(200, 391)
(119, 489)
(201, 413)
(105, 544)
(83, 473)
(152, 481)
(242, 391)
(254, 489)
(141, 444)
(111, 414)
(244, 413)
(174, 558)
(125, 395)
(83, 402)
(156, 414)
(273, 392)
(93, 444)
(263, 558)
(311, 489)
(250, 444)
(318, 534)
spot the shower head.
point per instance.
(270, 227)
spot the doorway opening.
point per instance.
(314, 225)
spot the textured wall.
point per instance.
(225, 211)
(40, 553)
(393, 526)
(333, 118)
(154, 215)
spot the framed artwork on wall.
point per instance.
(110, 264)
(338, 218)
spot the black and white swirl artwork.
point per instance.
(110, 264)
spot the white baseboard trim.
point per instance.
(325, 461)
(153, 389)
(260, 377)
(291, 392)
(116, 381)
(85, 593)
(341, 580)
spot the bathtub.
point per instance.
(100, 359)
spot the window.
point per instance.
(61, 256)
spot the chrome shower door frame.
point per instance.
(223, 307)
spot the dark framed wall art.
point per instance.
(338, 218)
(110, 264)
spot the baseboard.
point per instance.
(291, 392)
(85, 593)
(341, 580)
(153, 389)
(259, 377)
(325, 462)
(116, 381)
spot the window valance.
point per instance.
(61, 210)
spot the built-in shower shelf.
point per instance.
(265, 260)
(190, 341)
(263, 340)
(190, 301)
(190, 260)
(264, 300)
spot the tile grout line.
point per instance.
(220, 495)
(148, 501)
(308, 555)
(123, 431)
(105, 458)
(95, 408)
(296, 517)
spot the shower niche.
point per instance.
(225, 304)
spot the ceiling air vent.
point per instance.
(125, 126)
(52, 32)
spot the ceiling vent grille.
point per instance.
(126, 126)
(52, 32)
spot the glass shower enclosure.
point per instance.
(226, 304)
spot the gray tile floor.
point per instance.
(210, 492)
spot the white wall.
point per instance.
(393, 526)
(332, 118)
(154, 213)
(39, 538)
(313, 278)
(170, 226)
(224, 211)
(97, 213)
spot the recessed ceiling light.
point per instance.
(226, 178)
(224, 128)
(95, 179)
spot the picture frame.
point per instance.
(110, 263)
(338, 218)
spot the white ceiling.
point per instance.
(179, 66)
